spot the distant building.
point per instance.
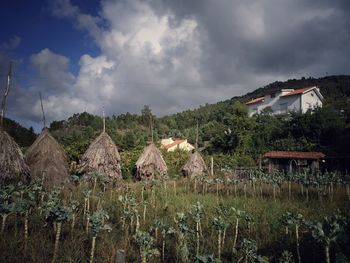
(287, 100)
(288, 161)
(171, 144)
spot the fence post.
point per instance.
(120, 257)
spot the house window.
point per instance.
(312, 94)
(283, 107)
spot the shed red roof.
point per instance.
(168, 146)
(257, 100)
(294, 155)
(297, 92)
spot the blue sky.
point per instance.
(119, 55)
(32, 22)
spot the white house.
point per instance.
(171, 145)
(287, 100)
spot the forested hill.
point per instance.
(224, 127)
(23, 136)
(335, 89)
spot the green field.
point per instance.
(155, 209)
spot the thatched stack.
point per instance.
(12, 164)
(195, 166)
(150, 164)
(102, 156)
(46, 158)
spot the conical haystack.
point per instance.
(12, 164)
(102, 156)
(46, 158)
(195, 166)
(150, 164)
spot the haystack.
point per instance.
(47, 159)
(102, 156)
(150, 164)
(195, 166)
(12, 164)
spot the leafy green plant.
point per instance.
(197, 213)
(6, 203)
(97, 224)
(327, 231)
(145, 243)
(296, 220)
(57, 214)
(182, 231)
(219, 225)
(238, 215)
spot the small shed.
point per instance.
(291, 161)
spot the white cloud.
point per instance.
(174, 55)
(11, 43)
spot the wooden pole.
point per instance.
(3, 106)
(197, 137)
(120, 257)
(42, 109)
(151, 126)
(104, 121)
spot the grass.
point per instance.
(164, 204)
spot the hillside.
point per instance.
(224, 128)
(335, 89)
(23, 136)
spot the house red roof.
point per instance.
(297, 92)
(177, 142)
(294, 155)
(257, 100)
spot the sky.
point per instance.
(173, 55)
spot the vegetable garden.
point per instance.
(256, 217)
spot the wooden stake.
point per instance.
(3, 106)
(42, 109)
(197, 137)
(151, 126)
(104, 121)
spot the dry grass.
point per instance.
(46, 157)
(150, 164)
(102, 156)
(12, 164)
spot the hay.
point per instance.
(102, 156)
(12, 164)
(46, 157)
(195, 166)
(150, 164)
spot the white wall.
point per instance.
(293, 104)
(310, 100)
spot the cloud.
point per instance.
(175, 55)
(10, 44)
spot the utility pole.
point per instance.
(3, 106)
